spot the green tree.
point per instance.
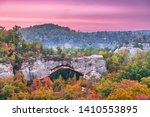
(146, 80)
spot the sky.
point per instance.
(83, 15)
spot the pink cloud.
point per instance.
(84, 16)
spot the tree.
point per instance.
(104, 88)
(128, 89)
(42, 94)
(25, 46)
(58, 85)
(114, 61)
(36, 84)
(102, 52)
(146, 81)
(141, 97)
(20, 82)
(59, 50)
(91, 95)
(36, 47)
(5, 47)
(8, 92)
(71, 91)
(47, 82)
(136, 68)
(120, 94)
(21, 96)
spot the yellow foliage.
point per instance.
(146, 81)
(42, 94)
(71, 91)
(115, 59)
(128, 89)
(21, 96)
(12, 47)
(104, 88)
(120, 94)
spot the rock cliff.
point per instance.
(41, 67)
(6, 70)
(84, 65)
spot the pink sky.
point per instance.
(84, 15)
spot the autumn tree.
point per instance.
(102, 52)
(141, 97)
(47, 82)
(5, 47)
(58, 85)
(36, 84)
(7, 92)
(42, 94)
(114, 61)
(104, 88)
(71, 91)
(128, 89)
(146, 80)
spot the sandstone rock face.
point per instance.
(93, 75)
(132, 50)
(89, 64)
(6, 70)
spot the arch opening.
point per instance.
(65, 73)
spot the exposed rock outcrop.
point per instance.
(42, 67)
(6, 70)
(132, 50)
(84, 65)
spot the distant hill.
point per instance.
(51, 35)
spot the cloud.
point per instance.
(77, 14)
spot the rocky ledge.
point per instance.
(88, 65)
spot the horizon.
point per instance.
(89, 16)
(84, 31)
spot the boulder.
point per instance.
(6, 70)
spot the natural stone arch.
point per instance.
(66, 72)
(42, 67)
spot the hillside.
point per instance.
(30, 72)
(54, 35)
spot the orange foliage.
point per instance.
(128, 89)
(5, 47)
(124, 52)
(21, 96)
(91, 95)
(47, 82)
(102, 52)
(71, 91)
(36, 84)
(87, 83)
(126, 84)
(42, 94)
(4, 34)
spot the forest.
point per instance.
(127, 78)
(51, 35)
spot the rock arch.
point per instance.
(83, 65)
